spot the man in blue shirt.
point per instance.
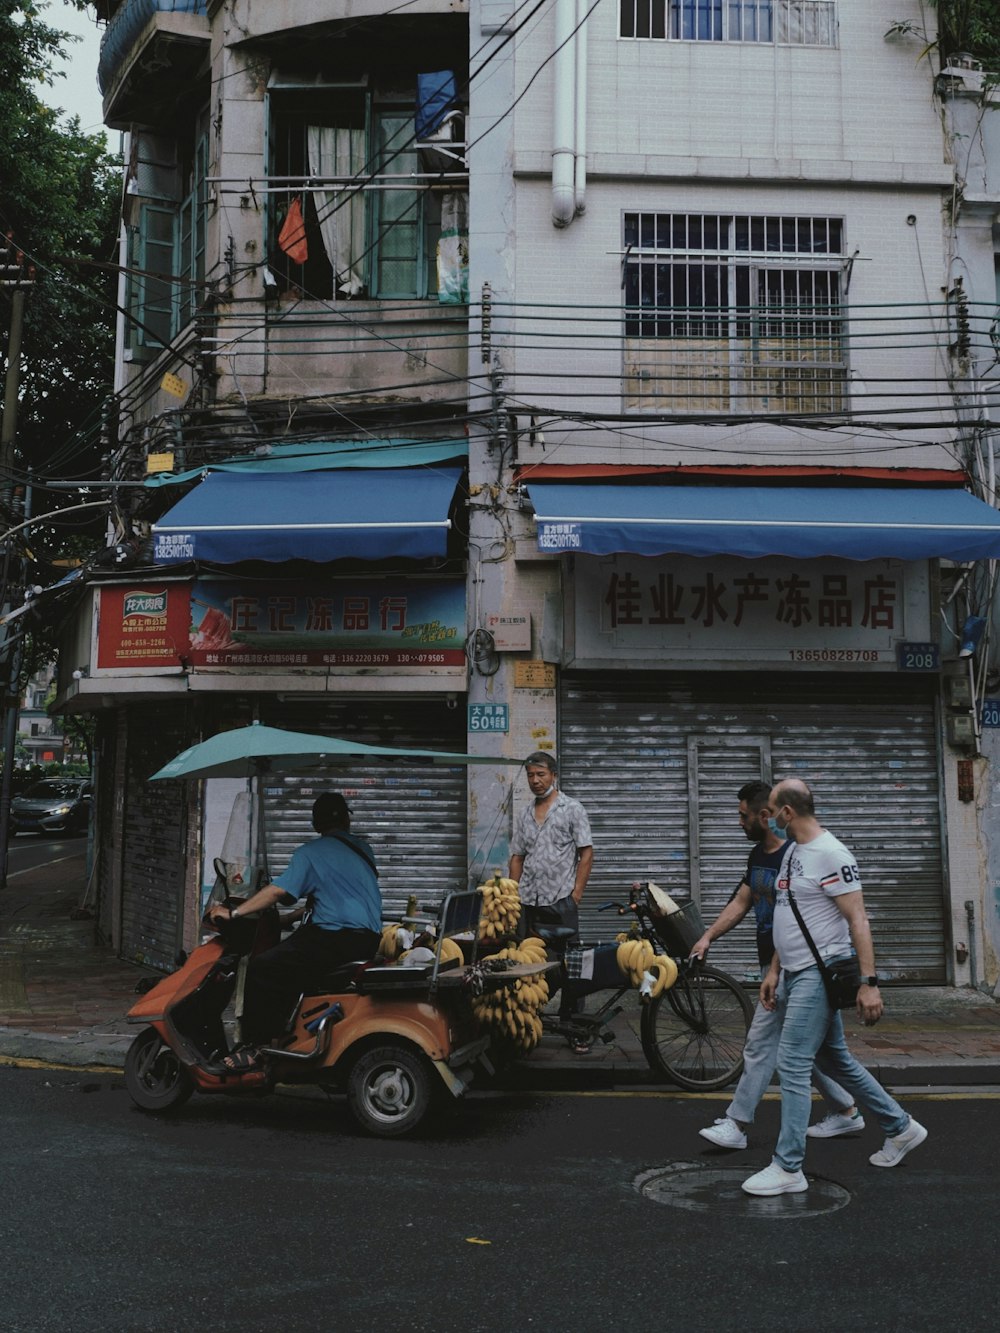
(756, 890)
(336, 876)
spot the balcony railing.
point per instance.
(126, 27)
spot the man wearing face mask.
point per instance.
(821, 874)
(760, 1053)
(551, 854)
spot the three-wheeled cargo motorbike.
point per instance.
(394, 1037)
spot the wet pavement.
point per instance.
(64, 995)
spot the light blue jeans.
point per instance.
(812, 1031)
(760, 1058)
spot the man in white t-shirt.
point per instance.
(821, 874)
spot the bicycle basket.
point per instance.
(680, 931)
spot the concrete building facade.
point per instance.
(661, 296)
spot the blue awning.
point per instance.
(856, 523)
(387, 514)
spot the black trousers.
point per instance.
(301, 963)
(565, 912)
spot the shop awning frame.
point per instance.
(804, 522)
(391, 513)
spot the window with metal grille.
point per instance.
(785, 22)
(734, 312)
(168, 205)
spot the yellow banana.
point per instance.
(451, 949)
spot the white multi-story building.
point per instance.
(650, 300)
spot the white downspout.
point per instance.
(580, 43)
(564, 115)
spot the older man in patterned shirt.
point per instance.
(551, 853)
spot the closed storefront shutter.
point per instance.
(154, 837)
(412, 813)
(657, 761)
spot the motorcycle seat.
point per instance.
(554, 934)
(335, 980)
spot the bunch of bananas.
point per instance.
(392, 950)
(636, 958)
(501, 908)
(451, 951)
(513, 1012)
(389, 946)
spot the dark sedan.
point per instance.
(54, 805)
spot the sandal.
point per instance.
(241, 1060)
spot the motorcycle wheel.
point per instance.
(389, 1090)
(155, 1078)
(694, 1032)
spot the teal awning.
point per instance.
(327, 456)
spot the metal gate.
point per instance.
(657, 761)
(154, 837)
(412, 812)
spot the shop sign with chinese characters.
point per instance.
(815, 613)
(364, 622)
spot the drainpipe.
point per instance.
(563, 115)
(970, 917)
(580, 43)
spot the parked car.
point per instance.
(54, 805)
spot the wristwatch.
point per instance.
(869, 981)
(234, 912)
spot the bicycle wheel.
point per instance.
(694, 1032)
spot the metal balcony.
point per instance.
(150, 56)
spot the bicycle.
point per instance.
(692, 1033)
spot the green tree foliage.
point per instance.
(59, 196)
(971, 27)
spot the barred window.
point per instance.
(733, 312)
(786, 22)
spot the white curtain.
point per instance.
(806, 23)
(340, 152)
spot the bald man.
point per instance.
(822, 876)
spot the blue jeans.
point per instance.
(813, 1031)
(760, 1057)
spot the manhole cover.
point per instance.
(717, 1189)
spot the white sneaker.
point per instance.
(774, 1179)
(725, 1133)
(895, 1149)
(835, 1126)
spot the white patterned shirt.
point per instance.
(550, 850)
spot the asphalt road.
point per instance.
(521, 1211)
(25, 851)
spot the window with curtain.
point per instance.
(786, 22)
(734, 312)
(362, 237)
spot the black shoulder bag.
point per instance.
(841, 976)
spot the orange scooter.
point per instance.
(394, 1037)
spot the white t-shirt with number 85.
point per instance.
(818, 872)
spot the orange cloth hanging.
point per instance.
(292, 237)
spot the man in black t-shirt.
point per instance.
(760, 1053)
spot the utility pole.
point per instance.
(17, 279)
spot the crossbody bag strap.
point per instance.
(349, 842)
(798, 915)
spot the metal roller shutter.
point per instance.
(657, 761)
(413, 814)
(155, 830)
